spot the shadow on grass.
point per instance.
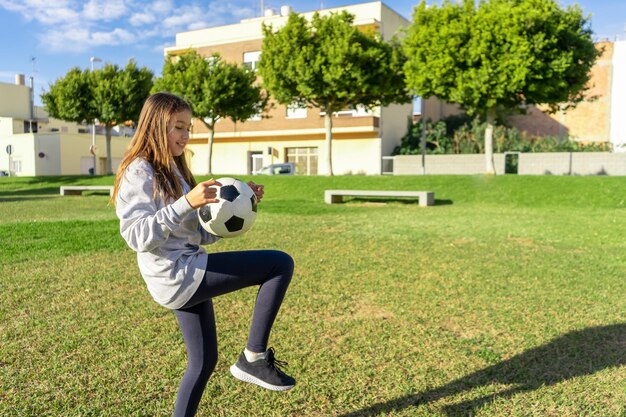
(45, 191)
(55, 181)
(578, 353)
(385, 200)
(26, 198)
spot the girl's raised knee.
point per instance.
(285, 261)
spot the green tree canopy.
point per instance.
(330, 64)
(70, 98)
(214, 88)
(109, 95)
(499, 54)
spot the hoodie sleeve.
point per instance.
(207, 238)
(143, 225)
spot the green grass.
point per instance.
(507, 298)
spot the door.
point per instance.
(256, 162)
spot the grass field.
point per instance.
(507, 298)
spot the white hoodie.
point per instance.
(165, 234)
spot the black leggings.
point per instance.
(227, 272)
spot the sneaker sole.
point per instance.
(246, 377)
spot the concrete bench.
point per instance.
(426, 198)
(78, 189)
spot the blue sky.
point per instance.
(48, 37)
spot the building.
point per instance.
(600, 118)
(360, 137)
(41, 145)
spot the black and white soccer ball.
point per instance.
(234, 213)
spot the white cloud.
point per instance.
(184, 18)
(56, 16)
(11, 6)
(47, 13)
(116, 37)
(230, 9)
(197, 25)
(104, 9)
(78, 25)
(243, 12)
(58, 40)
(148, 13)
(162, 7)
(141, 19)
(81, 39)
(150, 32)
(161, 47)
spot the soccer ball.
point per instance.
(234, 214)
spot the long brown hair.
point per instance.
(150, 143)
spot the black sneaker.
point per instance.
(263, 372)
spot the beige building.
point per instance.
(600, 118)
(360, 137)
(41, 145)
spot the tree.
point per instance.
(214, 88)
(330, 64)
(71, 97)
(119, 96)
(499, 54)
(110, 95)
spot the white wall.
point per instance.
(47, 154)
(391, 22)
(353, 156)
(6, 126)
(61, 154)
(350, 156)
(572, 163)
(75, 147)
(23, 146)
(470, 164)
(547, 163)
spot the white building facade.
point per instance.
(40, 145)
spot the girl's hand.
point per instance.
(258, 190)
(203, 194)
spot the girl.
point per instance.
(156, 198)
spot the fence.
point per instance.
(553, 163)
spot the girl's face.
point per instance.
(178, 132)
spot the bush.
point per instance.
(461, 134)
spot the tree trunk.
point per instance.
(211, 137)
(423, 136)
(109, 163)
(210, 125)
(491, 119)
(328, 125)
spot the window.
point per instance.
(417, 105)
(250, 59)
(294, 111)
(28, 125)
(305, 160)
(16, 166)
